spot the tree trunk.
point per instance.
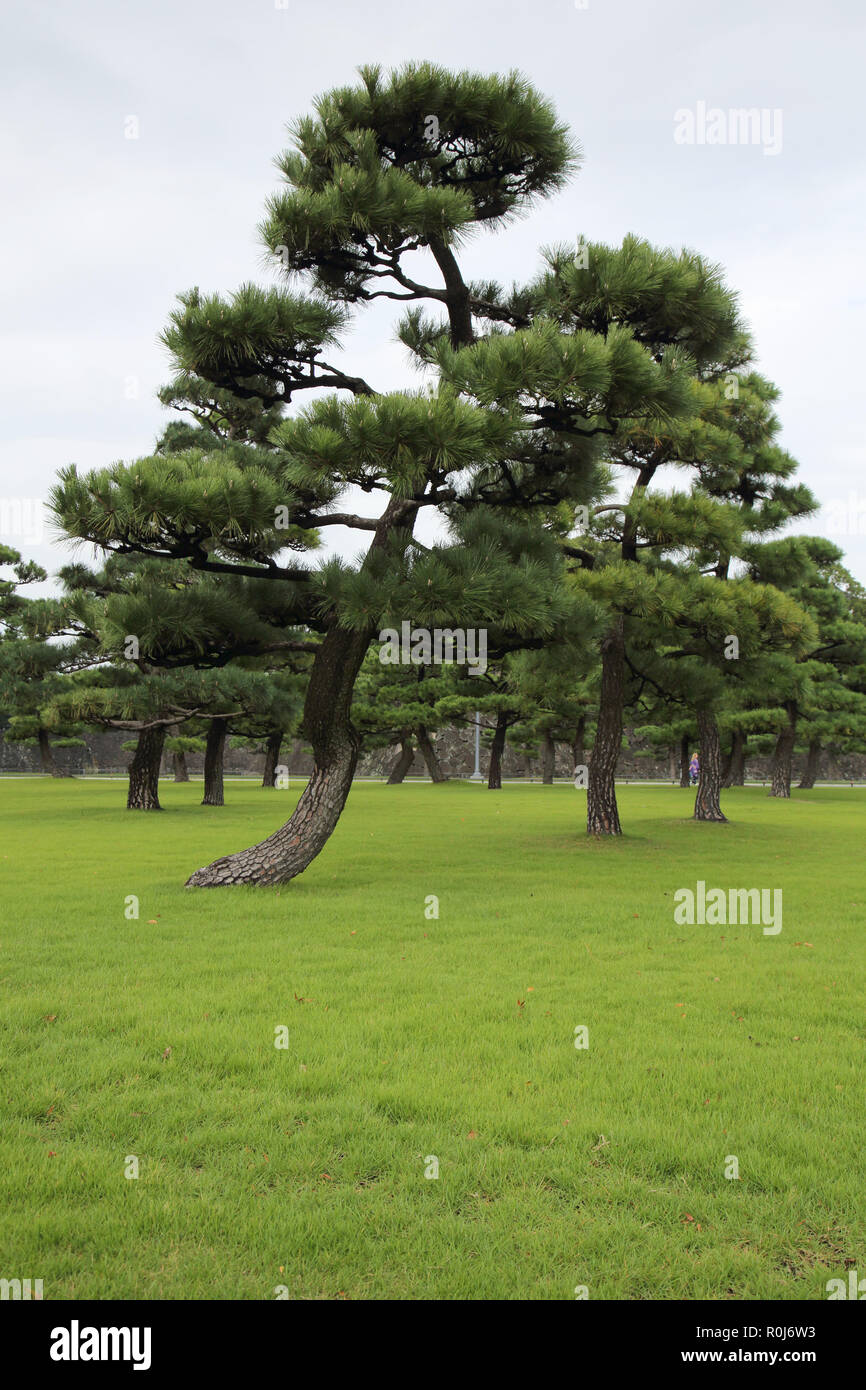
(548, 759)
(673, 764)
(46, 755)
(430, 756)
(181, 771)
(272, 753)
(497, 747)
(334, 740)
(578, 750)
(684, 761)
(144, 771)
(735, 773)
(602, 814)
(708, 799)
(405, 759)
(783, 754)
(214, 754)
(813, 760)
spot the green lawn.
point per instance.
(305, 1166)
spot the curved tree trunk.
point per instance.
(286, 853)
(430, 756)
(684, 761)
(813, 762)
(783, 754)
(735, 771)
(405, 759)
(272, 753)
(548, 759)
(144, 771)
(181, 771)
(497, 747)
(708, 799)
(602, 814)
(214, 755)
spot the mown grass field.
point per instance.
(412, 1037)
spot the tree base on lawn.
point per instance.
(295, 845)
(404, 760)
(144, 771)
(497, 748)
(783, 756)
(708, 799)
(214, 754)
(602, 813)
(272, 755)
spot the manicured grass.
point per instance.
(305, 1167)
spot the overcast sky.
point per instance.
(100, 231)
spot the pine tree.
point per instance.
(558, 686)
(178, 746)
(166, 635)
(618, 345)
(40, 642)
(827, 678)
(396, 703)
(371, 182)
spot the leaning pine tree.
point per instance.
(384, 182)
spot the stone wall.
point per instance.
(102, 753)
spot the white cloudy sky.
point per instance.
(99, 232)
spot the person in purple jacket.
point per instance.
(694, 769)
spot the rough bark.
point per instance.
(334, 740)
(813, 761)
(46, 755)
(497, 748)
(602, 814)
(405, 759)
(214, 755)
(181, 771)
(548, 759)
(684, 761)
(708, 800)
(430, 756)
(144, 771)
(783, 754)
(735, 771)
(458, 301)
(272, 753)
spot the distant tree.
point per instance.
(178, 746)
(39, 643)
(397, 703)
